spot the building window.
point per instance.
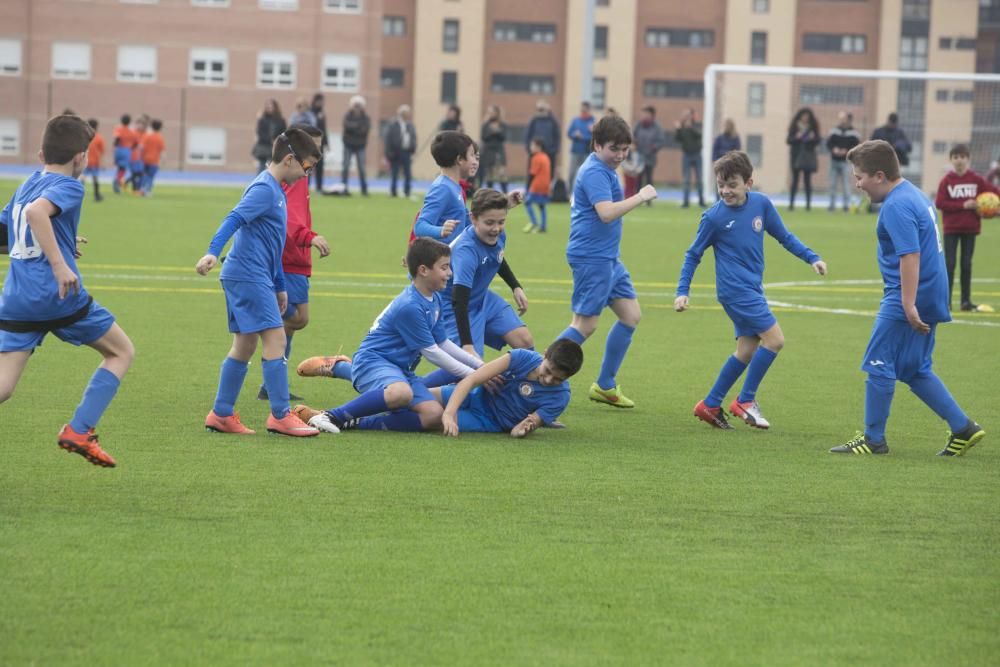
(449, 87)
(598, 92)
(206, 145)
(600, 41)
(761, 6)
(679, 37)
(392, 77)
(940, 146)
(276, 69)
(209, 67)
(137, 64)
(10, 57)
(682, 89)
(394, 26)
(512, 31)
(961, 95)
(341, 72)
(840, 95)
(755, 100)
(603, 3)
(281, 5)
(755, 150)
(449, 36)
(758, 48)
(209, 3)
(913, 54)
(70, 60)
(965, 44)
(944, 43)
(536, 84)
(825, 42)
(10, 137)
(343, 6)
(917, 9)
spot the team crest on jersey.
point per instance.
(500, 257)
(526, 389)
(758, 224)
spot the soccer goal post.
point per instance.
(936, 111)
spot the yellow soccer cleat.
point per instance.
(613, 396)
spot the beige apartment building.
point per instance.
(206, 68)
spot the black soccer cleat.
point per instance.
(959, 443)
(860, 444)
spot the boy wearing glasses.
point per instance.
(254, 284)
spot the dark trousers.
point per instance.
(318, 171)
(968, 242)
(806, 183)
(359, 156)
(402, 161)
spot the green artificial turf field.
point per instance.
(631, 537)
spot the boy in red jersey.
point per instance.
(296, 259)
(151, 147)
(956, 197)
(94, 153)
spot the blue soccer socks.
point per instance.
(573, 334)
(230, 382)
(276, 381)
(759, 364)
(97, 396)
(730, 373)
(400, 420)
(617, 344)
(371, 402)
(932, 391)
(878, 402)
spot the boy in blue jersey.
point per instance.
(735, 228)
(43, 291)
(599, 278)
(409, 328)
(914, 302)
(254, 284)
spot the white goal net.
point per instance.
(936, 110)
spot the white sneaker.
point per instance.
(322, 422)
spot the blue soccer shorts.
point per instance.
(750, 318)
(369, 372)
(897, 352)
(97, 323)
(123, 156)
(597, 284)
(297, 287)
(250, 307)
(473, 416)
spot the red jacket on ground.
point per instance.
(952, 194)
(297, 257)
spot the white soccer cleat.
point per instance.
(322, 422)
(750, 413)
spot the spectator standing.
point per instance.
(452, 120)
(841, 140)
(270, 123)
(544, 126)
(303, 114)
(728, 141)
(894, 134)
(400, 143)
(317, 109)
(649, 139)
(492, 153)
(687, 133)
(357, 124)
(803, 137)
(580, 134)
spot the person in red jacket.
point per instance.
(296, 260)
(956, 197)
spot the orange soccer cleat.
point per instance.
(230, 424)
(714, 416)
(291, 425)
(320, 366)
(86, 445)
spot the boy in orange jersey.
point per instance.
(94, 153)
(124, 141)
(151, 147)
(135, 165)
(539, 179)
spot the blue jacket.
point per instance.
(723, 144)
(581, 146)
(546, 128)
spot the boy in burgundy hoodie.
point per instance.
(956, 197)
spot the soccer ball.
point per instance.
(987, 205)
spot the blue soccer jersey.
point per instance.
(473, 265)
(907, 223)
(443, 202)
(589, 238)
(736, 233)
(30, 293)
(407, 325)
(257, 225)
(519, 396)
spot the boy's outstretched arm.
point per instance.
(486, 372)
(609, 211)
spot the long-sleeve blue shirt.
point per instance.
(737, 236)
